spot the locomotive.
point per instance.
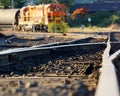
(45, 17)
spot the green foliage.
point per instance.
(5, 2)
(20, 3)
(100, 19)
(17, 3)
(45, 1)
(68, 3)
(114, 18)
(64, 27)
(60, 27)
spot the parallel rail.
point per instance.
(10, 56)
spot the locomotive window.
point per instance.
(49, 16)
(53, 8)
(60, 8)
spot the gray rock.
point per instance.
(31, 84)
(12, 73)
(14, 90)
(67, 81)
(35, 94)
(2, 76)
(20, 83)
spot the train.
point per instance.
(43, 17)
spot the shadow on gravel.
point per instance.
(81, 62)
(90, 40)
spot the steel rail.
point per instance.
(10, 56)
(42, 45)
(53, 46)
(18, 50)
(77, 41)
(58, 43)
(108, 83)
(19, 53)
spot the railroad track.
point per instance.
(79, 61)
(108, 73)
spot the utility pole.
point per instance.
(12, 4)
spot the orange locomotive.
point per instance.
(49, 17)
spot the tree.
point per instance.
(68, 3)
(5, 3)
(17, 3)
(45, 1)
(114, 18)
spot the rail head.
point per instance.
(108, 83)
(16, 50)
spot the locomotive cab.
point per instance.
(57, 17)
